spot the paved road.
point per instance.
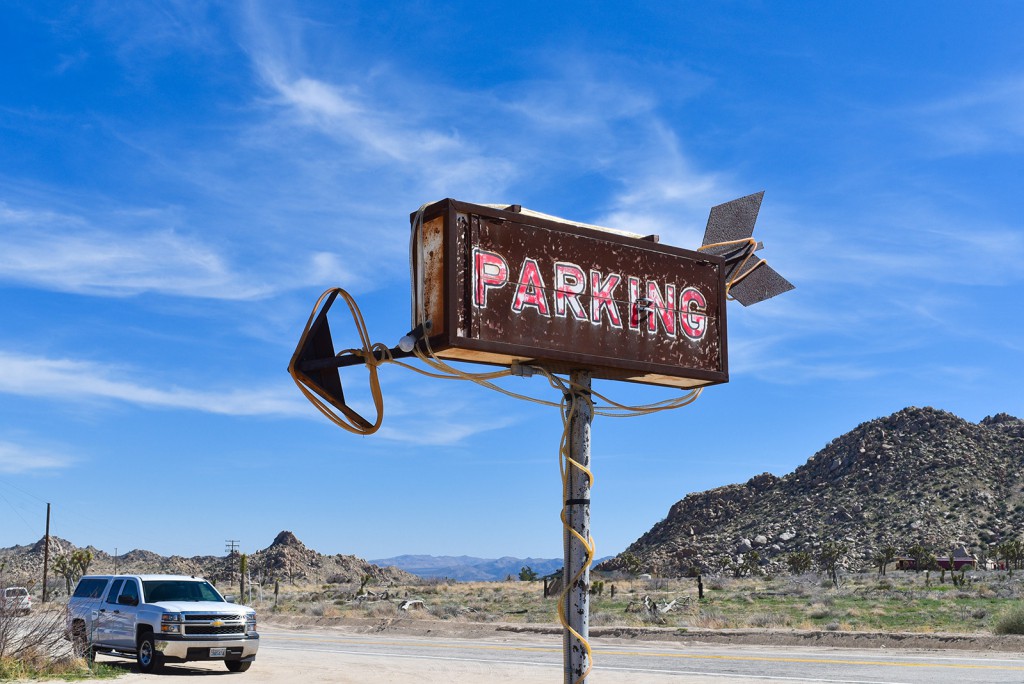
(521, 658)
(339, 657)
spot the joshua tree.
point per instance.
(920, 555)
(631, 563)
(243, 570)
(799, 562)
(72, 566)
(830, 558)
(884, 556)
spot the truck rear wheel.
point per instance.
(238, 665)
(148, 658)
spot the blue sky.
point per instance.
(180, 180)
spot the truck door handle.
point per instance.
(103, 610)
(116, 612)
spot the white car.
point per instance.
(16, 601)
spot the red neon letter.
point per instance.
(635, 306)
(602, 298)
(530, 289)
(489, 271)
(570, 282)
(663, 308)
(692, 316)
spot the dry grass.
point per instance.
(897, 602)
(34, 647)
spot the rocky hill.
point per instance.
(286, 560)
(918, 476)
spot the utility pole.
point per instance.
(231, 548)
(46, 553)
(576, 512)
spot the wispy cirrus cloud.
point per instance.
(664, 193)
(410, 416)
(132, 254)
(987, 118)
(72, 380)
(18, 458)
(433, 426)
(904, 247)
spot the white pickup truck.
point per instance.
(158, 619)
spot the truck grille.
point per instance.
(203, 624)
(210, 629)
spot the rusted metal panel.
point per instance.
(433, 275)
(523, 288)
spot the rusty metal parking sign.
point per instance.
(500, 286)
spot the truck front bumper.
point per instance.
(187, 648)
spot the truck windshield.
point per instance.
(179, 590)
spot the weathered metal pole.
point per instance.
(577, 518)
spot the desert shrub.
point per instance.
(768, 620)
(381, 609)
(323, 610)
(818, 611)
(445, 611)
(1010, 622)
(710, 618)
(832, 627)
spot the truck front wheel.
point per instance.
(80, 642)
(238, 665)
(148, 658)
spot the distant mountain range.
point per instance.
(468, 568)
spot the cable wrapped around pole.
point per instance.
(577, 479)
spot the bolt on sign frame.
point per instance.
(499, 286)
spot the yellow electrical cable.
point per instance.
(565, 463)
(369, 352)
(349, 419)
(736, 278)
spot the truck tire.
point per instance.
(148, 658)
(238, 665)
(80, 642)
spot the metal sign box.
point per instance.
(499, 285)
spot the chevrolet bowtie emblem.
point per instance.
(218, 623)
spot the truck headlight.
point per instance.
(250, 622)
(170, 623)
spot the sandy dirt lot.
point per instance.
(321, 665)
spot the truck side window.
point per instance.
(91, 587)
(131, 588)
(114, 588)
